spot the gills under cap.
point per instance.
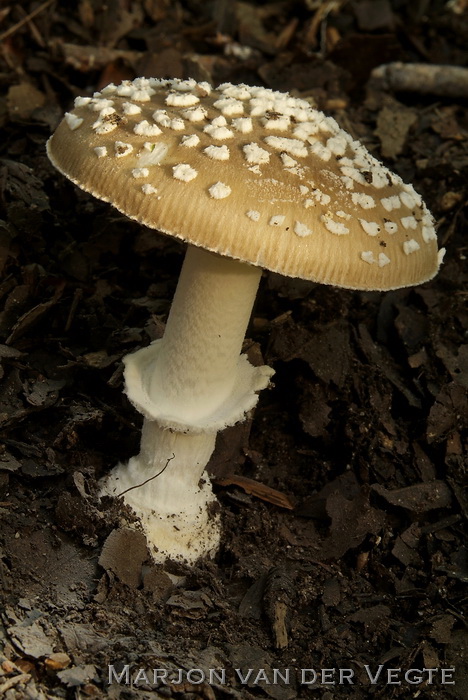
(249, 173)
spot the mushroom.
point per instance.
(250, 179)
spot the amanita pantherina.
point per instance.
(250, 179)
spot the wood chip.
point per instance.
(257, 489)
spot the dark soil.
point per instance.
(354, 558)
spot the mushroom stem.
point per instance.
(194, 378)
(196, 365)
(188, 385)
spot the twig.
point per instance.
(37, 36)
(320, 15)
(26, 19)
(427, 79)
(77, 297)
(15, 680)
(150, 479)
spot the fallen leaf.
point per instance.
(32, 640)
(418, 498)
(393, 124)
(365, 519)
(123, 554)
(77, 675)
(448, 413)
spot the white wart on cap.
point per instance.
(252, 174)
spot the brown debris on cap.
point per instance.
(252, 174)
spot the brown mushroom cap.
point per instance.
(252, 174)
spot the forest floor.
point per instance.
(359, 541)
